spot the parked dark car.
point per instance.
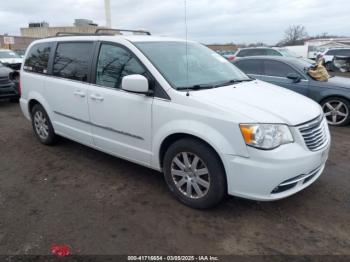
(9, 85)
(291, 73)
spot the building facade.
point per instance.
(84, 26)
(20, 42)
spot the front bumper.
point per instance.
(275, 174)
(9, 91)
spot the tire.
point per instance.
(337, 111)
(180, 176)
(329, 66)
(42, 126)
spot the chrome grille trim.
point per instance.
(4, 80)
(314, 133)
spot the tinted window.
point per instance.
(72, 60)
(250, 66)
(275, 68)
(252, 52)
(331, 52)
(38, 58)
(343, 52)
(113, 64)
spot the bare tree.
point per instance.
(294, 35)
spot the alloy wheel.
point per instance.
(190, 175)
(41, 125)
(336, 112)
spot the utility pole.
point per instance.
(108, 13)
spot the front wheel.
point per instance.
(194, 173)
(336, 111)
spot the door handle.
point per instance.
(79, 93)
(97, 98)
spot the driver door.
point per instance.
(121, 121)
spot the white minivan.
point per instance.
(177, 107)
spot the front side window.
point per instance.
(38, 58)
(72, 60)
(113, 64)
(275, 68)
(191, 65)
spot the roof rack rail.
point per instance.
(143, 32)
(72, 33)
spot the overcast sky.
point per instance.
(209, 21)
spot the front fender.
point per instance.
(221, 144)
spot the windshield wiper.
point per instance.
(234, 81)
(196, 87)
(209, 86)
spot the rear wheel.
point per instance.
(194, 173)
(42, 125)
(336, 111)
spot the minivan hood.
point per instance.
(11, 60)
(261, 102)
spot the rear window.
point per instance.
(72, 60)
(252, 52)
(254, 67)
(38, 58)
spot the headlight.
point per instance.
(266, 136)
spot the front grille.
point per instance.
(4, 80)
(315, 133)
(16, 66)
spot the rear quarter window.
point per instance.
(38, 58)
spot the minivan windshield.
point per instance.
(8, 54)
(193, 66)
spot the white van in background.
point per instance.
(179, 108)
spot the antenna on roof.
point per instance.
(188, 91)
(108, 13)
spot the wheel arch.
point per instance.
(37, 98)
(172, 138)
(334, 96)
(31, 104)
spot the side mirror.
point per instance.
(135, 84)
(295, 77)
